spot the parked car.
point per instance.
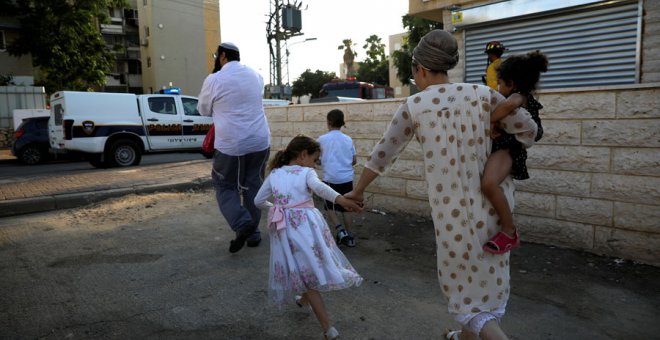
(31, 145)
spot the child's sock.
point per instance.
(339, 226)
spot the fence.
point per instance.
(595, 175)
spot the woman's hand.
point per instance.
(349, 204)
(356, 196)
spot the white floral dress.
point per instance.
(303, 253)
(452, 122)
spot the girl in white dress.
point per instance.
(304, 258)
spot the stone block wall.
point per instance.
(595, 175)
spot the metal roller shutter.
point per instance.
(590, 46)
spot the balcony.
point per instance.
(112, 29)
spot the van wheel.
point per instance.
(95, 161)
(32, 155)
(123, 153)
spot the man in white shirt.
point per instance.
(232, 95)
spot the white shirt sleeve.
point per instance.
(264, 193)
(205, 98)
(319, 188)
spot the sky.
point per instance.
(243, 22)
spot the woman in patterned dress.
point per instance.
(304, 258)
(451, 121)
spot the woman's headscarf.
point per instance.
(437, 51)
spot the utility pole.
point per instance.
(284, 22)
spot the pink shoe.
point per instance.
(501, 243)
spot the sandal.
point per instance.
(331, 333)
(501, 243)
(452, 335)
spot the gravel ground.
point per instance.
(157, 267)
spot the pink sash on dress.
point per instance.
(276, 213)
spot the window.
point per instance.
(134, 67)
(3, 45)
(148, 61)
(190, 107)
(164, 105)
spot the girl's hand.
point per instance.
(349, 204)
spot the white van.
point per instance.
(115, 129)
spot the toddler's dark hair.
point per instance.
(293, 150)
(336, 118)
(523, 70)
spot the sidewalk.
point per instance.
(51, 192)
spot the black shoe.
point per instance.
(238, 243)
(253, 243)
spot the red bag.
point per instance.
(207, 145)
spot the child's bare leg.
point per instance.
(492, 331)
(313, 297)
(498, 167)
(332, 216)
(348, 220)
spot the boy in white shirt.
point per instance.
(337, 160)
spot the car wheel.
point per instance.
(123, 153)
(32, 154)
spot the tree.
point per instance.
(6, 80)
(375, 68)
(349, 56)
(402, 58)
(64, 40)
(310, 83)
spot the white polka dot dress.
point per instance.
(451, 122)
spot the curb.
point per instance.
(68, 201)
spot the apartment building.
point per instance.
(157, 44)
(19, 68)
(177, 42)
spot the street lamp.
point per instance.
(287, 55)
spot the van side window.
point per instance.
(190, 107)
(164, 105)
(59, 113)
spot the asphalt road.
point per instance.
(157, 267)
(11, 168)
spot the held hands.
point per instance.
(349, 204)
(356, 196)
